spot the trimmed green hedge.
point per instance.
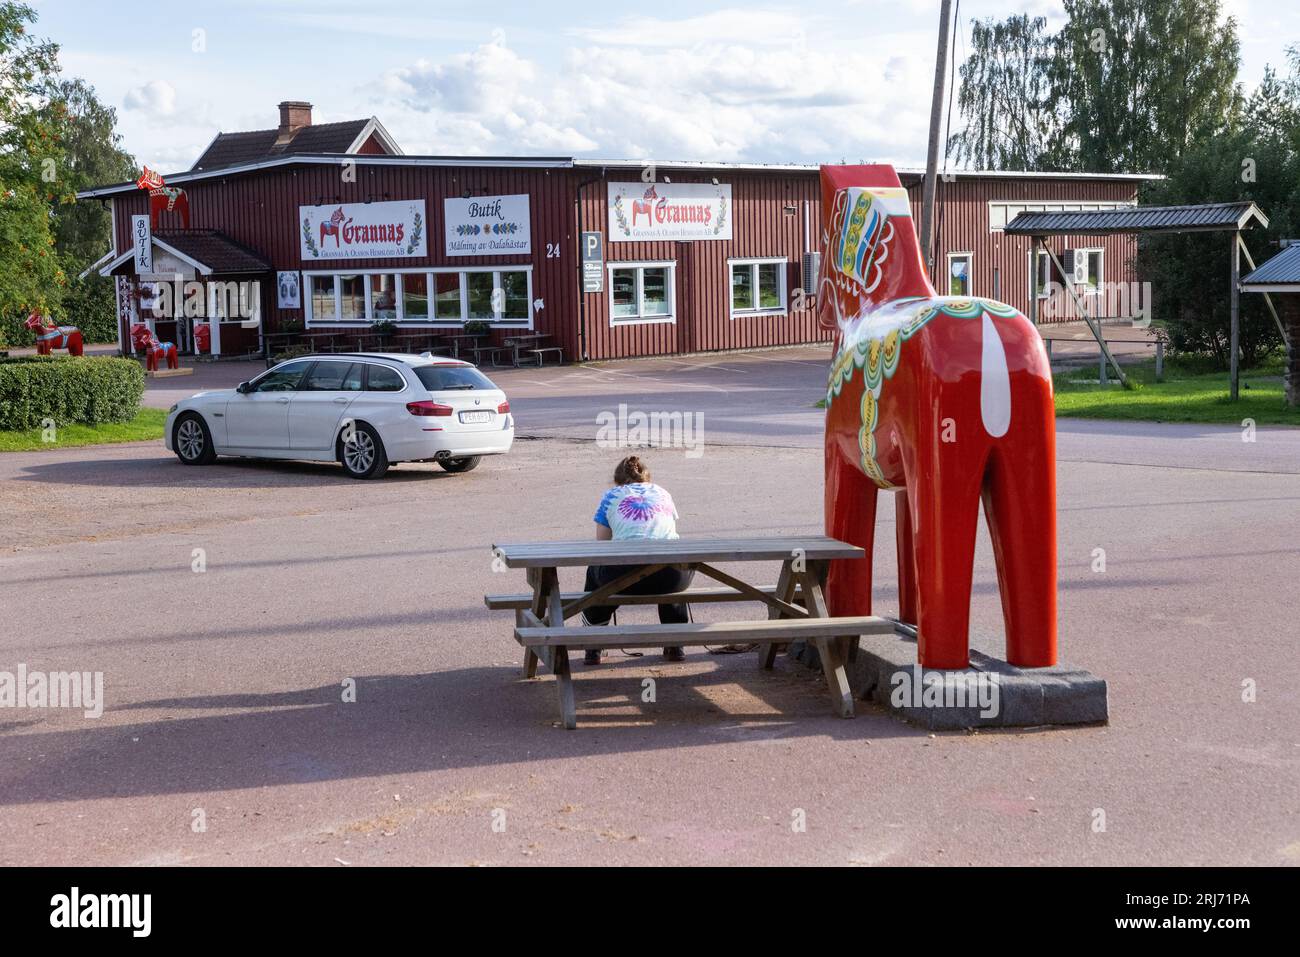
(88, 389)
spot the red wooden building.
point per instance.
(331, 227)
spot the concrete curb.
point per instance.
(988, 694)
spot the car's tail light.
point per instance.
(426, 407)
(504, 407)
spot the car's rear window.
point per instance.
(441, 378)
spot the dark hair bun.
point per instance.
(630, 470)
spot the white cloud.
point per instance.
(157, 97)
(762, 93)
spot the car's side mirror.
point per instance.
(243, 388)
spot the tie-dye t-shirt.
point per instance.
(638, 510)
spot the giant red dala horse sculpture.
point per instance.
(945, 401)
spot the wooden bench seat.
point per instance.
(690, 595)
(832, 636)
(541, 351)
(781, 630)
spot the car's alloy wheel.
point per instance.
(362, 454)
(192, 442)
(359, 452)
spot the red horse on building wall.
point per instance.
(945, 401)
(51, 337)
(331, 227)
(645, 206)
(163, 198)
(143, 339)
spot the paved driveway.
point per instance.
(225, 688)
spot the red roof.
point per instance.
(235, 149)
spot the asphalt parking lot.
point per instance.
(224, 689)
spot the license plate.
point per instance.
(476, 416)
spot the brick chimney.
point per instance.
(294, 115)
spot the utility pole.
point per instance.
(936, 124)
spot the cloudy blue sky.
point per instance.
(782, 82)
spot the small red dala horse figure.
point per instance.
(51, 337)
(143, 339)
(331, 227)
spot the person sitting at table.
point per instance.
(637, 508)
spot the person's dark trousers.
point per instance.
(670, 579)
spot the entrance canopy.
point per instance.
(205, 251)
(1210, 217)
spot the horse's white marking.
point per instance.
(995, 382)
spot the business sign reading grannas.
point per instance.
(679, 211)
(362, 231)
(488, 226)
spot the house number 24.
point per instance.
(552, 250)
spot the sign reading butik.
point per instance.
(488, 226)
(363, 230)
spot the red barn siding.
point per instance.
(962, 225)
(761, 228)
(260, 210)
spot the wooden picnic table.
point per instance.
(423, 341)
(457, 338)
(796, 605)
(522, 340)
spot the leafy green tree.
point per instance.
(1258, 160)
(1004, 95)
(1125, 85)
(92, 155)
(30, 274)
(1135, 82)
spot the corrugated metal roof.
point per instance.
(1282, 270)
(1139, 219)
(903, 171)
(909, 175)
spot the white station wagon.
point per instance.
(363, 410)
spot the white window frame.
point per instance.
(426, 322)
(1100, 278)
(1049, 206)
(969, 256)
(641, 319)
(1044, 292)
(783, 287)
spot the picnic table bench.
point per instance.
(796, 605)
(533, 342)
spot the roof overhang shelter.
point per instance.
(1281, 274)
(1233, 218)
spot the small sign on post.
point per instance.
(593, 262)
(142, 238)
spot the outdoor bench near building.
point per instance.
(330, 228)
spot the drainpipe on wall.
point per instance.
(582, 296)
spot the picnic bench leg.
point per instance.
(530, 657)
(784, 591)
(837, 680)
(829, 650)
(564, 682)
